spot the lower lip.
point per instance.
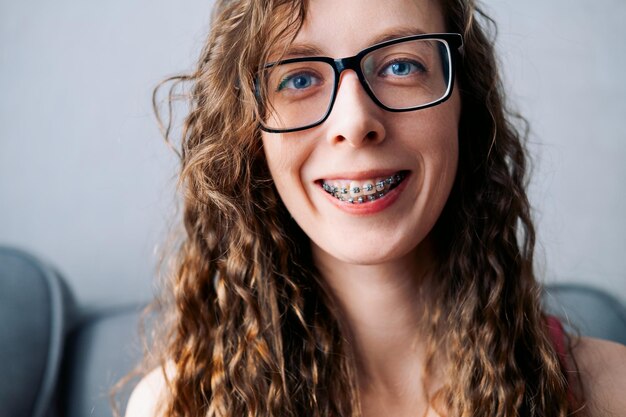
(371, 207)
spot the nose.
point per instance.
(355, 119)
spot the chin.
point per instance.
(366, 251)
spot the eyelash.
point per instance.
(289, 78)
(418, 66)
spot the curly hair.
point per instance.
(252, 330)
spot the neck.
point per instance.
(381, 306)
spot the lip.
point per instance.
(372, 207)
(360, 175)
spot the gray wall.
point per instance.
(86, 182)
(564, 63)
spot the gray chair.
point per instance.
(35, 311)
(58, 363)
(100, 350)
(587, 310)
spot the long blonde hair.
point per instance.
(252, 329)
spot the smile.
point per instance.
(364, 191)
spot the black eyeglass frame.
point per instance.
(454, 42)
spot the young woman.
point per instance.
(358, 238)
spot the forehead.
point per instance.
(342, 28)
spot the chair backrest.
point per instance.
(99, 351)
(35, 307)
(587, 310)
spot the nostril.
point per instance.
(372, 135)
(355, 139)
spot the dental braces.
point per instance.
(342, 193)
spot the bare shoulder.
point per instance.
(147, 397)
(602, 366)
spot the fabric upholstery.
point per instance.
(100, 351)
(33, 320)
(587, 311)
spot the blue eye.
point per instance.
(402, 68)
(298, 81)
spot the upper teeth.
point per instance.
(361, 191)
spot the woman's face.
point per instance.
(360, 143)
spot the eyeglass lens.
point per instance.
(401, 76)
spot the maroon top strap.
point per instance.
(558, 338)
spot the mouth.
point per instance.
(363, 191)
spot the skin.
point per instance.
(359, 136)
(375, 264)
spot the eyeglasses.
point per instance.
(399, 75)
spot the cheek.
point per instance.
(444, 155)
(277, 155)
(434, 136)
(444, 128)
(435, 139)
(445, 168)
(445, 151)
(286, 158)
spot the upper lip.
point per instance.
(361, 175)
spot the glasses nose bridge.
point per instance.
(350, 63)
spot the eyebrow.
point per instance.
(302, 50)
(299, 50)
(395, 34)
